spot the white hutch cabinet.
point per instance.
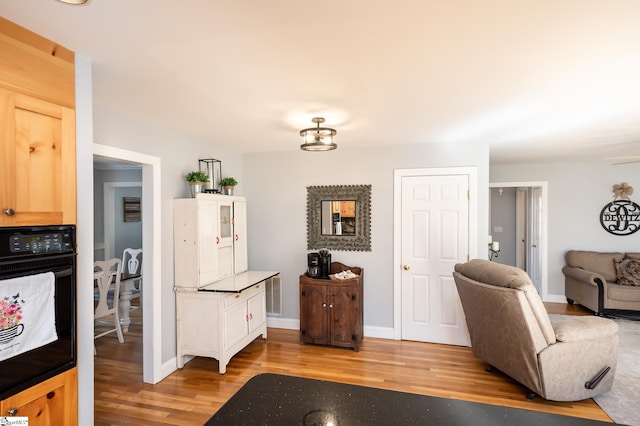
(210, 238)
(220, 304)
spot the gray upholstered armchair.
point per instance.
(510, 329)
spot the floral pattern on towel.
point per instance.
(11, 312)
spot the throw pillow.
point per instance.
(628, 272)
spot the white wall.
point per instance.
(179, 154)
(275, 187)
(577, 194)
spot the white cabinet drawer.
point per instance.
(232, 298)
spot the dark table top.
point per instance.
(272, 399)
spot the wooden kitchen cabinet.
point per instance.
(37, 136)
(348, 209)
(52, 402)
(331, 311)
(38, 162)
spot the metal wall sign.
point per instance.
(621, 216)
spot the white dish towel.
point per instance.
(28, 318)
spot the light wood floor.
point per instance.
(190, 396)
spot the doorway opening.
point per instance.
(151, 244)
(518, 222)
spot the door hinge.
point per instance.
(468, 194)
(353, 337)
(303, 332)
(302, 293)
(353, 297)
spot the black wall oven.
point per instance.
(28, 255)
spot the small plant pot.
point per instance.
(196, 187)
(228, 190)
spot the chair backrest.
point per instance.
(107, 280)
(507, 321)
(131, 261)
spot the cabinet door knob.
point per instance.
(12, 411)
(331, 306)
(406, 267)
(324, 305)
(9, 211)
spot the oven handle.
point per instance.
(63, 273)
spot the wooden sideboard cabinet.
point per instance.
(52, 402)
(220, 319)
(331, 311)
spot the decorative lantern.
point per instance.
(212, 168)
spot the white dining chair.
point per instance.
(132, 265)
(106, 275)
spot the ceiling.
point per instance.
(538, 80)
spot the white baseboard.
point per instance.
(556, 298)
(286, 323)
(379, 332)
(294, 324)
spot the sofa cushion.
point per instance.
(628, 272)
(601, 263)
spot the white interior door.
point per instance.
(435, 236)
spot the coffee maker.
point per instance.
(313, 265)
(319, 264)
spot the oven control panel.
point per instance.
(49, 242)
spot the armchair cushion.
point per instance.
(584, 328)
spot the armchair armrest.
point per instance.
(584, 328)
(583, 275)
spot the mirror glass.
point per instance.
(339, 217)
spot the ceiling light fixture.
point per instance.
(73, 1)
(318, 138)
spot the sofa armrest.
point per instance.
(583, 275)
(583, 328)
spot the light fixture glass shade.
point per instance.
(318, 138)
(73, 1)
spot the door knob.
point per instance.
(9, 211)
(533, 245)
(406, 267)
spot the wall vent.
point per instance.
(274, 296)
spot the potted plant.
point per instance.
(228, 184)
(196, 179)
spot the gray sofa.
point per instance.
(591, 279)
(568, 360)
